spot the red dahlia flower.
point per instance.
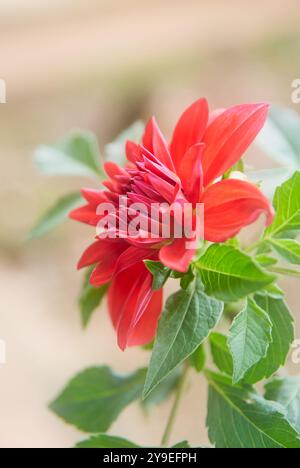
(203, 148)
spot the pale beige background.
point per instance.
(100, 65)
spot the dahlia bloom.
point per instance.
(204, 146)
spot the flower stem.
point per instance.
(179, 393)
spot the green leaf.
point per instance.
(263, 248)
(77, 154)
(56, 215)
(115, 151)
(163, 390)
(94, 398)
(233, 242)
(178, 274)
(249, 338)
(286, 391)
(160, 273)
(221, 353)
(282, 338)
(273, 290)
(186, 321)
(229, 274)
(288, 249)
(231, 309)
(198, 358)
(106, 441)
(287, 207)
(183, 444)
(239, 418)
(265, 260)
(90, 298)
(187, 279)
(148, 346)
(280, 137)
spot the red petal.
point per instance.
(176, 255)
(112, 169)
(154, 141)
(94, 196)
(230, 205)
(133, 151)
(228, 137)
(191, 173)
(152, 164)
(91, 255)
(104, 272)
(144, 331)
(85, 214)
(100, 250)
(189, 130)
(133, 255)
(214, 114)
(134, 306)
(166, 190)
(147, 139)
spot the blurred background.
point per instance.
(100, 65)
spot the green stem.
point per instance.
(255, 246)
(284, 271)
(179, 393)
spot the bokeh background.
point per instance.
(100, 65)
